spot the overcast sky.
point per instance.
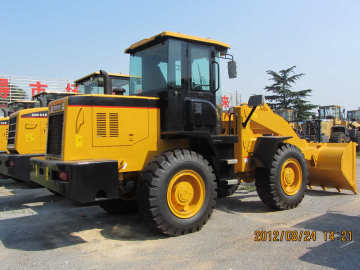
(68, 39)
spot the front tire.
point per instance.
(283, 186)
(338, 137)
(177, 194)
(358, 141)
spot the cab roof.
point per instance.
(329, 106)
(57, 93)
(21, 101)
(119, 75)
(167, 34)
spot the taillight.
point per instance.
(11, 163)
(63, 176)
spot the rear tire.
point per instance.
(337, 137)
(283, 186)
(177, 194)
(226, 191)
(119, 207)
(358, 141)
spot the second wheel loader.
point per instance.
(28, 127)
(162, 148)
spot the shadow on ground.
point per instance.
(35, 219)
(337, 253)
(62, 229)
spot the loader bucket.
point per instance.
(333, 165)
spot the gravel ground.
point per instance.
(39, 230)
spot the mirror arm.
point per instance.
(227, 57)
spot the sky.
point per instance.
(69, 39)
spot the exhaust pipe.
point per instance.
(107, 82)
(5, 112)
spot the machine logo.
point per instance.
(42, 114)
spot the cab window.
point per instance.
(200, 68)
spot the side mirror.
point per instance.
(256, 100)
(232, 69)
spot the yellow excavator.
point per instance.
(164, 150)
(28, 127)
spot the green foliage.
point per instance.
(283, 97)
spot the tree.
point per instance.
(283, 97)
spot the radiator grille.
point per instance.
(107, 125)
(12, 130)
(55, 130)
(114, 124)
(101, 124)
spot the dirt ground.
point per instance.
(39, 230)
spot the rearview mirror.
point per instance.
(232, 69)
(256, 100)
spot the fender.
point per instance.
(265, 149)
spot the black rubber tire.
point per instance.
(152, 192)
(337, 137)
(226, 191)
(358, 141)
(119, 207)
(268, 183)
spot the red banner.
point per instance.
(37, 88)
(4, 88)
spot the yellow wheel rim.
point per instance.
(186, 194)
(291, 176)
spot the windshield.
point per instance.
(14, 107)
(354, 115)
(330, 113)
(148, 69)
(43, 100)
(95, 85)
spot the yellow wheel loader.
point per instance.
(331, 126)
(4, 126)
(163, 148)
(28, 127)
(290, 116)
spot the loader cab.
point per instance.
(44, 98)
(287, 114)
(184, 72)
(95, 83)
(353, 116)
(331, 112)
(15, 106)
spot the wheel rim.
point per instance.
(186, 194)
(291, 176)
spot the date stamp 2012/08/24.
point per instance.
(302, 236)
